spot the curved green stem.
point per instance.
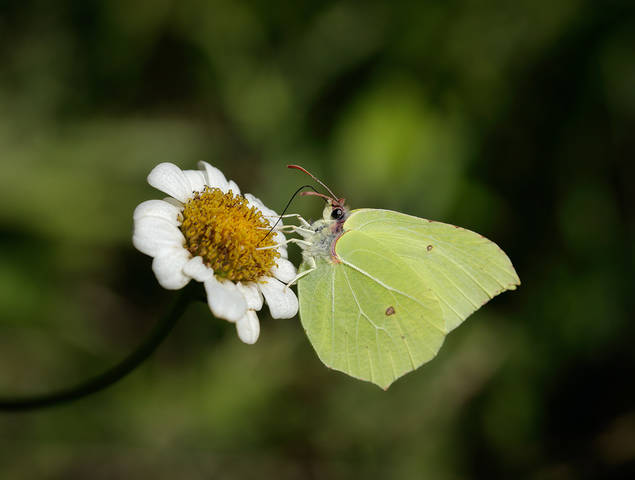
(110, 376)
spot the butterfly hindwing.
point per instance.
(370, 315)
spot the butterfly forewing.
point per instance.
(461, 267)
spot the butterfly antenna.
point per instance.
(321, 195)
(302, 169)
(284, 211)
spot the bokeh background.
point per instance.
(514, 119)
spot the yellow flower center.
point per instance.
(227, 233)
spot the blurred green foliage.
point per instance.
(514, 119)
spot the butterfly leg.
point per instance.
(299, 242)
(313, 266)
(291, 215)
(291, 240)
(290, 229)
(305, 232)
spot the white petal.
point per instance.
(261, 206)
(215, 177)
(175, 202)
(157, 208)
(170, 179)
(280, 240)
(234, 188)
(196, 269)
(285, 271)
(254, 200)
(279, 237)
(225, 300)
(168, 268)
(248, 327)
(252, 295)
(152, 234)
(281, 300)
(197, 179)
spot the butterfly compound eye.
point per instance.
(337, 213)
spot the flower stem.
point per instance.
(110, 376)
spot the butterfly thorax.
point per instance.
(323, 236)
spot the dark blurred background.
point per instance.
(513, 119)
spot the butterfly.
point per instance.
(379, 290)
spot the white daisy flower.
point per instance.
(207, 231)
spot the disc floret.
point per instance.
(227, 233)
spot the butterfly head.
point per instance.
(335, 210)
